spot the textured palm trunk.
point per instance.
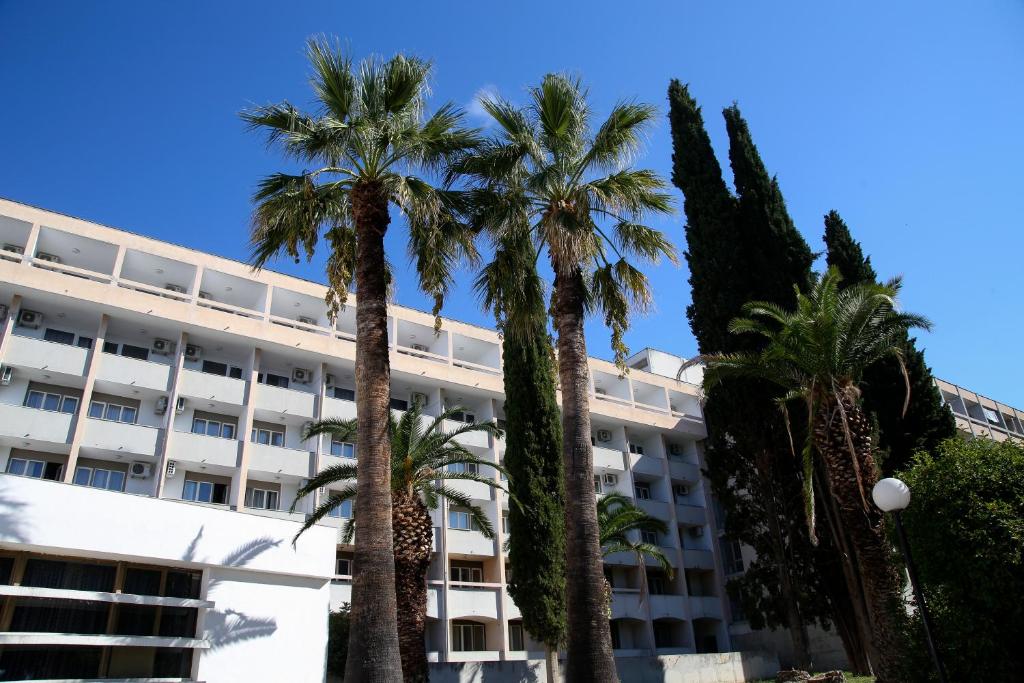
(589, 656)
(414, 535)
(864, 526)
(373, 652)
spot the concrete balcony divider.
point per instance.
(203, 385)
(698, 559)
(694, 515)
(608, 458)
(287, 401)
(187, 447)
(511, 608)
(120, 437)
(43, 355)
(278, 460)
(19, 422)
(668, 606)
(466, 602)
(686, 471)
(707, 607)
(648, 464)
(133, 372)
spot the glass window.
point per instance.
(461, 519)
(649, 537)
(267, 437)
(109, 347)
(642, 491)
(69, 405)
(85, 342)
(26, 468)
(116, 481)
(113, 412)
(399, 404)
(344, 394)
(235, 373)
(189, 490)
(343, 567)
(227, 430)
(16, 466)
(96, 410)
(215, 368)
(205, 492)
(58, 336)
(342, 511)
(597, 483)
(468, 636)
(138, 352)
(198, 425)
(34, 399)
(51, 402)
(128, 414)
(99, 479)
(213, 428)
(261, 499)
(83, 476)
(515, 637)
(343, 449)
(464, 467)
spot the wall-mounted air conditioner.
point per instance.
(162, 347)
(604, 435)
(179, 406)
(329, 380)
(204, 295)
(161, 406)
(6, 375)
(611, 480)
(418, 347)
(140, 470)
(171, 287)
(172, 467)
(301, 375)
(193, 352)
(43, 256)
(14, 249)
(30, 319)
(306, 320)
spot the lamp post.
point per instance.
(892, 495)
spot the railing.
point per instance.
(145, 288)
(476, 366)
(299, 325)
(230, 308)
(426, 355)
(73, 271)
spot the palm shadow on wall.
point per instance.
(11, 521)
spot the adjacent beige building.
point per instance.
(980, 417)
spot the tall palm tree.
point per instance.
(818, 353)
(365, 140)
(572, 188)
(423, 460)
(619, 517)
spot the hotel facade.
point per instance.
(152, 401)
(980, 417)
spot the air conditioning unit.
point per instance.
(3, 312)
(193, 352)
(419, 399)
(301, 375)
(204, 295)
(179, 406)
(162, 347)
(52, 258)
(604, 435)
(140, 470)
(6, 375)
(675, 449)
(696, 531)
(161, 406)
(170, 287)
(171, 468)
(14, 249)
(30, 319)
(305, 319)
(329, 380)
(611, 480)
(682, 490)
(636, 449)
(418, 347)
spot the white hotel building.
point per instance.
(152, 399)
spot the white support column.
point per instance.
(445, 653)
(30, 244)
(115, 272)
(197, 282)
(245, 428)
(173, 381)
(268, 303)
(499, 532)
(78, 421)
(8, 325)
(318, 414)
(716, 552)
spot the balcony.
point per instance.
(703, 607)
(668, 606)
(120, 437)
(694, 515)
(478, 439)
(338, 408)
(433, 599)
(648, 464)
(19, 422)
(212, 387)
(469, 543)
(683, 470)
(608, 458)
(287, 401)
(468, 602)
(133, 372)
(29, 352)
(203, 450)
(626, 604)
(279, 460)
(474, 489)
(694, 558)
(655, 508)
(511, 608)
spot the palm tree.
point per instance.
(423, 459)
(818, 353)
(573, 189)
(364, 142)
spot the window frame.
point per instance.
(121, 408)
(91, 478)
(643, 486)
(27, 462)
(266, 495)
(474, 628)
(254, 436)
(471, 524)
(342, 447)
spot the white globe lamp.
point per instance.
(891, 495)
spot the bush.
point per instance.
(337, 640)
(965, 525)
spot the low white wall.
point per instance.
(724, 667)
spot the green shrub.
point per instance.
(337, 640)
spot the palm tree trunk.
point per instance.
(863, 523)
(413, 540)
(551, 664)
(373, 652)
(589, 656)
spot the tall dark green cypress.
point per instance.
(927, 422)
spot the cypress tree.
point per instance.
(927, 422)
(533, 444)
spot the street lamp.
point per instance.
(892, 495)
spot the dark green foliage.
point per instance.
(927, 422)
(337, 640)
(965, 525)
(533, 458)
(741, 249)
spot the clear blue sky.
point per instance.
(904, 116)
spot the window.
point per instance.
(137, 352)
(597, 483)
(212, 367)
(343, 449)
(636, 449)
(205, 492)
(468, 573)
(460, 416)
(732, 556)
(101, 410)
(43, 400)
(96, 478)
(399, 404)
(461, 519)
(272, 380)
(649, 537)
(343, 566)
(26, 468)
(464, 468)
(59, 336)
(642, 490)
(344, 394)
(85, 342)
(267, 436)
(504, 522)
(662, 635)
(110, 347)
(515, 637)
(468, 636)
(224, 430)
(261, 499)
(342, 510)
(656, 584)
